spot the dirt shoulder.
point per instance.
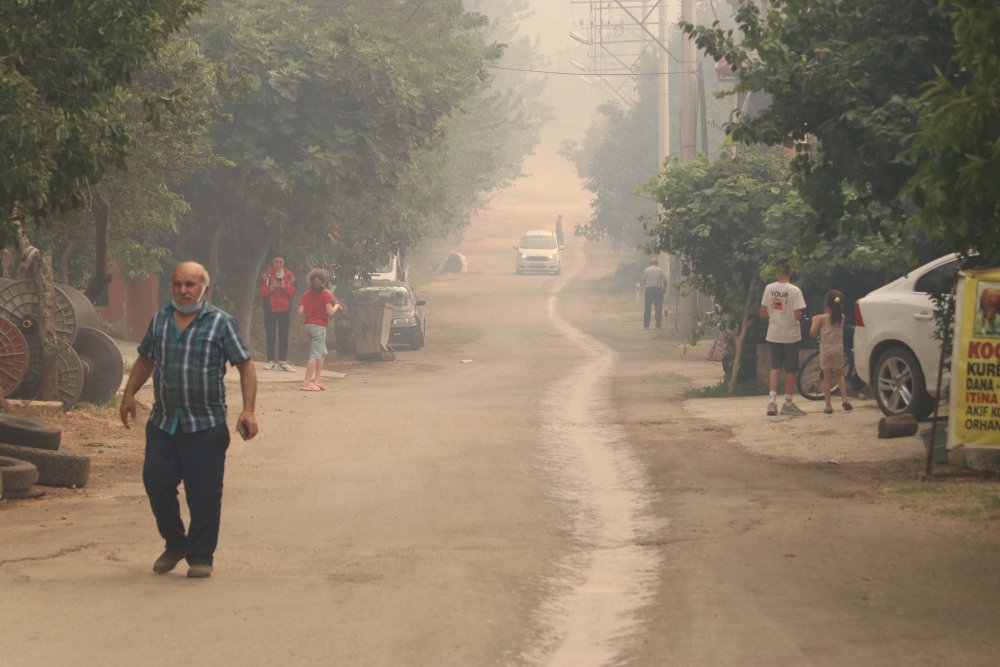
(774, 554)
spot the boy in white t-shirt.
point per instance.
(782, 305)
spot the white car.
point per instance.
(538, 250)
(895, 351)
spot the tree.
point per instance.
(134, 215)
(61, 69)
(615, 159)
(327, 115)
(844, 77)
(731, 218)
(957, 150)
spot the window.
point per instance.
(539, 242)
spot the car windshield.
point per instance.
(392, 295)
(541, 242)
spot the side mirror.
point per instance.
(562, 247)
(516, 248)
(421, 302)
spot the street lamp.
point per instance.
(577, 65)
(580, 38)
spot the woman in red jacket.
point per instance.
(277, 287)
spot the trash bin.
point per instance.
(370, 324)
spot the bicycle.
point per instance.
(809, 379)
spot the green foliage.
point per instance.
(957, 150)
(614, 160)
(732, 217)
(844, 78)
(62, 66)
(728, 219)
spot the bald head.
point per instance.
(189, 283)
(192, 269)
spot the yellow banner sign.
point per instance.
(976, 380)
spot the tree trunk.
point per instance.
(67, 254)
(36, 265)
(245, 297)
(102, 231)
(741, 335)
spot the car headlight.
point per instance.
(552, 256)
(524, 255)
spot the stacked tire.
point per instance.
(29, 454)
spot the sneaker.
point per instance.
(283, 365)
(790, 408)
(167, 561)
(772, 409)
(199, 571)
(271, 365)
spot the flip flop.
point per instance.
(309, 387)
(320, 385)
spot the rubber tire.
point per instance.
(921, 405)
(17, 474)
(418, 342)
(54, 468)
(26, 432)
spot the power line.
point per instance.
(542, 71)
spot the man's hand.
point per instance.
(127, 409)
(248, 419)
(141, 370)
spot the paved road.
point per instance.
(433, 511)
(548, 502)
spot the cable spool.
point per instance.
(103, 366)
(70, 376)
(19, 301)
(14, 356)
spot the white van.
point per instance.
(390, 267)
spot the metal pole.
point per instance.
(664, 106)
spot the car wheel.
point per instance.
(418, 341)
(899, 384)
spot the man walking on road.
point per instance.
(185, 349)
(655, 281)
(277, 289)
(782, 305)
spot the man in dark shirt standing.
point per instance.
(185, 349)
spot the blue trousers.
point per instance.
(198, 460)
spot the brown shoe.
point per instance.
(167, 561)
(199, 571)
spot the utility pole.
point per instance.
(664, 106)
(687, 316)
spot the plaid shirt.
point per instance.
(189, 367)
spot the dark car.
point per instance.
(408, 324)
